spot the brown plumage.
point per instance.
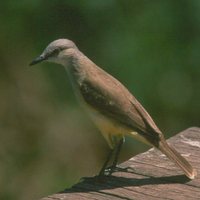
(114, 110)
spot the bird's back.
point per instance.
(106, 96)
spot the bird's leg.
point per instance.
(102, 171)
(116, 155)
(116, 152)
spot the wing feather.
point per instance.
(108, 96)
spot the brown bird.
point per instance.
(114, 110)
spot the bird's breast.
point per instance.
(105, 124)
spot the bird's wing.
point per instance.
(108, 96)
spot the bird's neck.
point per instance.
(78, 67)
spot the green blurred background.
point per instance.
(46, 141)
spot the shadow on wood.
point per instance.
(149, 175)
(113, 182)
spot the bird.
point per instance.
(111, 106)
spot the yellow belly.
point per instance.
(111, 130)
(108, 128)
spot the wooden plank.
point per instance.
(150, 175)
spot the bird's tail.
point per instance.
(176, 157)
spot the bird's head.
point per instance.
(58, 51)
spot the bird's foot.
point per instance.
(110, 170)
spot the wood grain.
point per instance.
(149, 175)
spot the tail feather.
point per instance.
(176, 157)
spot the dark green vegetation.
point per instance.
(46, 142)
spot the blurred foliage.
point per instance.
(151, 46)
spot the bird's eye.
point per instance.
(52, 53)
(55, 52)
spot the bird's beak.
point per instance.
(38, 60)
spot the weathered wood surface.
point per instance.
(149, 175)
